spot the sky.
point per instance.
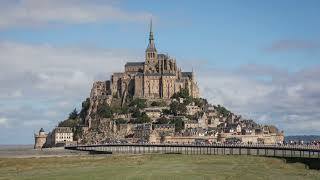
(260, 59)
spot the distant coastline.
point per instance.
(15, 146)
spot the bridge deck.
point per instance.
(218, 149)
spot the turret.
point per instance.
(40, 139)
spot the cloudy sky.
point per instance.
(260, 59)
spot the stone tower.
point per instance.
(151, 53)
(40, 139)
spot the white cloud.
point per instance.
(43, 83)
(31, 70)
(39, 12)
(36, 123)
(3, 121)
(289, 100)
(14, 94)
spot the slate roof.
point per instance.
(168, 74)
(134, 64)
(162, 56)
(63, 130)
(186, 74)
(152, 74)
(139, 74)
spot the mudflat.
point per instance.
(25, 151)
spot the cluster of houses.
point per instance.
(208, 126)
(199, 125)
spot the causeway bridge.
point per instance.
(301, 151)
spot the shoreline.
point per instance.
(38, 153)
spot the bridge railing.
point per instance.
(255, 146)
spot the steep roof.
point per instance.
(162, 56)
(152, 74)
(168, 74)
(186, 74)
(63, 130)
(134, 64)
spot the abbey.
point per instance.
(142, 104)
(158, 77)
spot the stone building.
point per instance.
(40, 139)
(164, 128)
(192, 110)
(62, 135)
(191, 124)
(154, 112)
(143, 131)
(157, 77)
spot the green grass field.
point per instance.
(153, 167)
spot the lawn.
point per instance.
(153, 167)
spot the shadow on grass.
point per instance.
(310, 163)
(99, 152)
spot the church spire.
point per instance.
(151, 33)
(151, 46)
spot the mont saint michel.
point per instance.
(154, 101)
(174, 90)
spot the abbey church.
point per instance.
(158, 77)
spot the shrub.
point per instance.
(84, 109)
(138, 103)
(162, 120)
(177, 109)
(69, 123)
(158, 103)
(73, 114)
(104, 111)
(179, 124)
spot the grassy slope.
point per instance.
(153, 167)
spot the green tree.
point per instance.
(73, 114)
(142, 118)
(158, 103)
(184, 93)
(166, 111)
(84, 110)
(119, 110)
(179, 124)
(162, 120)
(138, 103)
(104, 111)
(222, 110)
(120, 121)
(136, 113)
(200, 102)
(69, 123)
(177, 108)
(125, 110)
